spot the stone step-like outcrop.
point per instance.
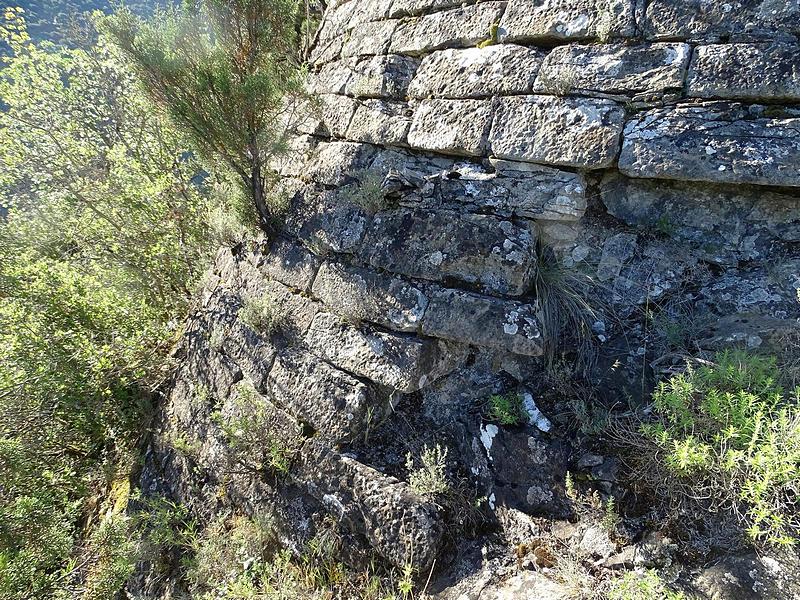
(565, 20)
(714, 142)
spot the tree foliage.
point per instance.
(105, 232)
(227, 73)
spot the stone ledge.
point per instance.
(476, 72)
(400, 362)
(753, 72)
(369, 39)
(451, 126)
(458, 28)
(483, 321)
(559, 20)
(615, 69)
(570, 132)
(715, 142)
(442, 245)
(291, 264)
(362, 294)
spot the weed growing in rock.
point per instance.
(642, 586)
(260, 314)
(430, 478)
(508, 409)
(725, 439)
(249, 427)
(367, 193)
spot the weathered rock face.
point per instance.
(469, 162)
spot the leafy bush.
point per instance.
(104, 235)
(728, 436)
(259, 313)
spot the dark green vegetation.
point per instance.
(105, 237)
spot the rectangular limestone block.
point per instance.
(477, 72)
(335, 404)
(751, 72)
(369, 39)
(381, 76)
(559, 20)
(396, 522)
(715, 142)
(451, 126)
(484, 321)
(482, 250)
(365, 295)
(614, 69)
(570, 132)
(336, 114)
(704, 20)
(291, 264)
(380, 122)
(538, 192)
(334, 163)
(458, 28)
(401, 362)
(404, 8)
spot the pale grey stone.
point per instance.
(334, 163)
(539, 192)
(458, 28)
(558, 20)
(292, 162)
(616, 69)
(451, 126)
(439, 245)
(483, 321)
(334, 403)
(397, 523)
(369, 10)
(400, 362)
(291, 264)
(753, 72)
(703, 20)
(477, 72)
(362, 294)
(403, 8)
(572, 132)
(335, 113)
(381, 76)
(332, 78)
(369, 39)
(714, 142)
(380, 122)
(329, 223)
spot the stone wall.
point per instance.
(653, 147)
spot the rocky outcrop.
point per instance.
(475, 172)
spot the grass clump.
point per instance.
(260, 314)
(507, 409)
(726, 440)
(249, 427)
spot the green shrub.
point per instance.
(260, 314)
(430, 478)
(642, 586)
(507, 409)
(728, 433)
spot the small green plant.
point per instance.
(429, 479)
(249, 428)
(727, 433)
(611, 518)
(494, 37)
(260, 314)
(605, 21)
(507, 409)
(184, 444)
(217, 339)
(367, 193)
(642, 586)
